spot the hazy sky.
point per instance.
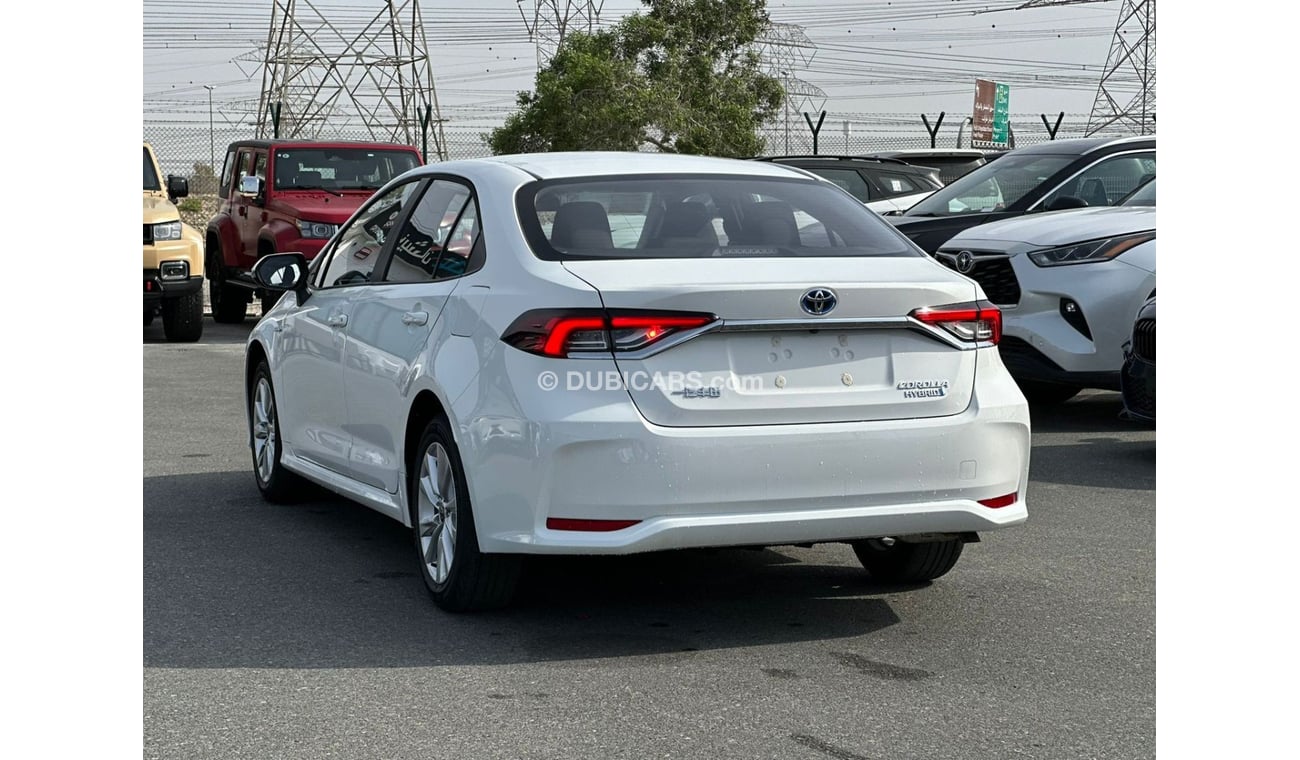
(873, 56)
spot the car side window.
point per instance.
(352, 257)
(892, 184)
(1106, 182)
(227, 172)
(245, 166)
(848, 179)
(259, 168)
(437, 240)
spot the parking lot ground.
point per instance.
(304, 631)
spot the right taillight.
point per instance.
(976, 321)
(562, 333)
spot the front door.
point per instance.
(315, 334)
(399, 326)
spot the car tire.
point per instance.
(1047, 393)
(148, 317)
(182, 318)
(902, 562)
(277, 484)
(457, 574)
(229, 303)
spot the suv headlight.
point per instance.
(1091, 251)
(167, 231)
(317, 230)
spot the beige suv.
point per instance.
(173, 257)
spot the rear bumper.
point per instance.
(753, 485)
(774, 528)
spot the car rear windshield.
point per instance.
(992, 187)
(150, 176)
(678, 216)
(950, 167)
(339, 168)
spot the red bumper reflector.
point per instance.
(565, 523)
(999, 501)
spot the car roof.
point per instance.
(1085, 145)
(614, 163)
(317, 144)
(833, 159)
(931, 153)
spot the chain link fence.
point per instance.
(195, 151)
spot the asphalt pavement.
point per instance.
(304, 631)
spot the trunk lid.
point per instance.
(803, 368)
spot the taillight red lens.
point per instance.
(561, 333)
(977, 321)
(999, 501)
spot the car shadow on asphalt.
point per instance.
(231, 581)
(213, 333)
(1102, 462)
(1091, 411)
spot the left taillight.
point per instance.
(975, 322)
(562, 333)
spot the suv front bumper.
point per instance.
(156, 288)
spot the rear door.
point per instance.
(812, 295)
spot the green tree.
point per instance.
(683, 76)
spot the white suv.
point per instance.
(1069, 283)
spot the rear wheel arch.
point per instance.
(425, 408)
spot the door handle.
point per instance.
(337, 320)
(415, 318)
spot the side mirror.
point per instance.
(177, 187)
(251, 186)
(1066, 202)
(283, 271)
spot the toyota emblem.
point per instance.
(818, 301)
(965, 262)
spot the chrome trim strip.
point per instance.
(792, 325)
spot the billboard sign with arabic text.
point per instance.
(990, 120)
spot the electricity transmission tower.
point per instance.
(1126, 94)
(786, 50)
(372, 69)
(551, 20)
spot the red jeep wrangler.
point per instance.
(280, 196)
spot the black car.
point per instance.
(1138, 377)
(1047, 177)
(951, 164)
(885, 185)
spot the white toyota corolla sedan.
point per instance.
(607, 353)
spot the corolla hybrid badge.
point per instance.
(818, 301)
(924, 388)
